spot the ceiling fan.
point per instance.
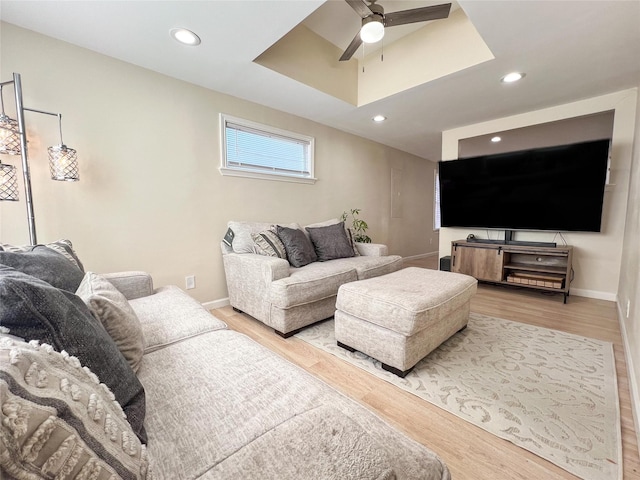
(374, 21)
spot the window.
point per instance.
(436, 201)
(258, 151)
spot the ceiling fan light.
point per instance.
(372, 29)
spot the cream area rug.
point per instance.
(547, 391)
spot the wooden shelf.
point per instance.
(540, 268)
(532, 268)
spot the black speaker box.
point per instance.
(445, 263)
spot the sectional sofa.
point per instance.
(218, 405)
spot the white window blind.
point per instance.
(436, 202)
(259, 151)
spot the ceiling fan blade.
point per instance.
(351, 49)
(360, 7)
(422, 14)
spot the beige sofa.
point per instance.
(221, 406)
(287, 298)
(218, 405)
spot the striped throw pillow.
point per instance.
(268, 243)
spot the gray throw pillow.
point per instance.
(63, 246)
(34, 310)
(47, 265)
(299, 249)
(330, 242)
(112, 309)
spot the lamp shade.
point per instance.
(63, 163)
(8, 182)
(372, 29)
(9, 136)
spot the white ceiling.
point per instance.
(570, 50)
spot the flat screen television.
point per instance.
(554, 188)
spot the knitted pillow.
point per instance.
(34, 310)
(58, 419)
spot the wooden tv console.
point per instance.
(540, 268)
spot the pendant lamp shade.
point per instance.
(9, 136)
(8, 182)
(63, 163)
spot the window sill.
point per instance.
(231, 172)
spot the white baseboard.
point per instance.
(634, 391)
(612, 297)
(223, 302)
(422, 255)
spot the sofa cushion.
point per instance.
(313, 282)
(57, 417)
(34, 310)
(112, 309)
(330, 242)
(315, 444)
(46, 264)
(299, 249)
(170, 315)
(268, 243)
(235, 392)
(369, 267)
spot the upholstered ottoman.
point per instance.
(399, 318)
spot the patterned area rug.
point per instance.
(550, 392)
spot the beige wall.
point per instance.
(150, 195)
(629, 291)
(597, 256)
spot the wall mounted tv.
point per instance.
(557, 188)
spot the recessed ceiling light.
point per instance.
(184, 36)
(496, 139)
(512, 77)
(379, 118)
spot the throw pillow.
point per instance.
(299, 249)
(352, 239)
(34, 310)
(268, 243)
(242, 231)
(330, 242)
(112, 309)
(43, 263)
(59, 420)
(64, 247)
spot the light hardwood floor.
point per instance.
(470, 452)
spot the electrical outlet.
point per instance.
(431, 241)
(190, 281)
(628, 307)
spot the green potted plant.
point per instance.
(358, 226)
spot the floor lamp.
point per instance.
(63, 161)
